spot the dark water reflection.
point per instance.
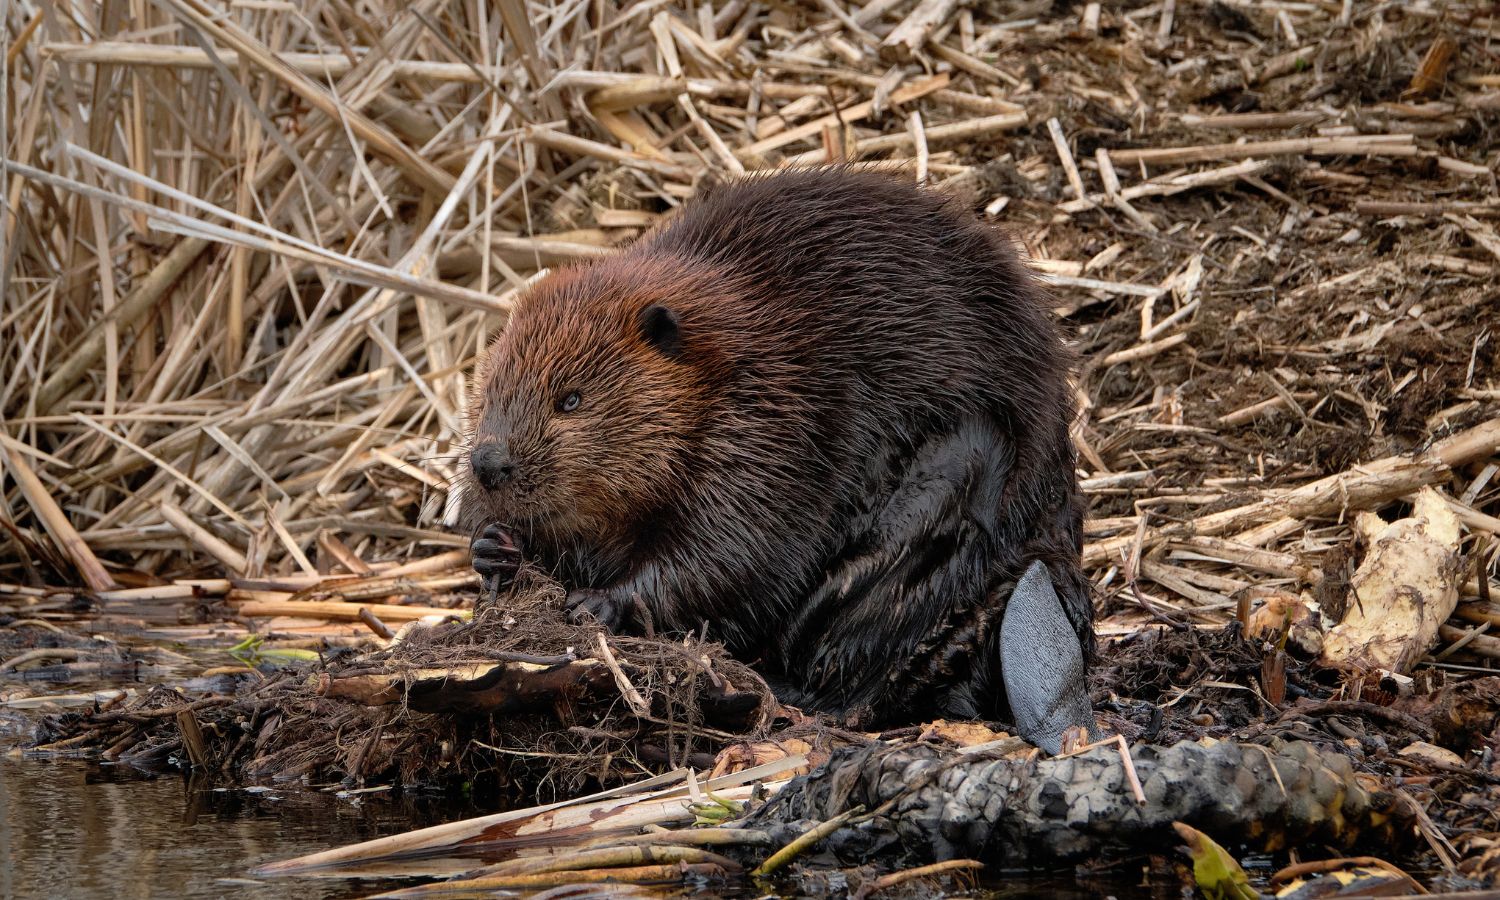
(78, 830)
(74, 829)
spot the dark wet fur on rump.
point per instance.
(867, 389)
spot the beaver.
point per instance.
(825, 412)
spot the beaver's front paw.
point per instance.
(730, 710)
(496, 556)
(608, 608)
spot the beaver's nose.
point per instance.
(492, 466)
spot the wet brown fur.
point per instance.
(769, 469)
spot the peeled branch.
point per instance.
(1404, 590)
(485, 687)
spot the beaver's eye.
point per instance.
(570, 402)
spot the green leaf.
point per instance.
(1218, 874)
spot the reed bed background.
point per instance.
(251, 250)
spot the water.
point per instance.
(74, 829)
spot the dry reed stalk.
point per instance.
(1363, 487)
(253, 254)
(654, 801)
(917, 27)
(334, 610)
(933, 137)
(232, 558)
(322, 65)
(843, 117)
(57, 524)
(1371, 145)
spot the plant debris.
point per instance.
(252, 250)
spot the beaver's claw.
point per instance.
(496, 556)
(606, 607)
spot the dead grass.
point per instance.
(250, 256)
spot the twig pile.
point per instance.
(513, 698)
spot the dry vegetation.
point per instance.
(251, 256)
(251, 250)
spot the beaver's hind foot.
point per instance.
(609, 608)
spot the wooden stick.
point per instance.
(1256, 410)
(1095, 284)
(633, 698)
(491, 885)
(1143, 351)
(1165, 187)
(908, 37)
(844, 117)
(558, 140)
(1283, 565)
(442, 562)
(206, 541)
(1065, 155)
(182, 590)
(936, 136)
(804, 842)
(973, 66)
(321, 65)
(706, 87)
(373, 623)
(18, 46)
(945, 867)
(638, 92)
(56, 524)
(192, 738)
(918, 134)
(339, 612)
(1364, 145)
(1438, 208)
(1254, 121)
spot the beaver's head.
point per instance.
(588, 401)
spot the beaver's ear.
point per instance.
(660, 328)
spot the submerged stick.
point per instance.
(803, 842)
(610, 857)
(942, 868)
(486, 887)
